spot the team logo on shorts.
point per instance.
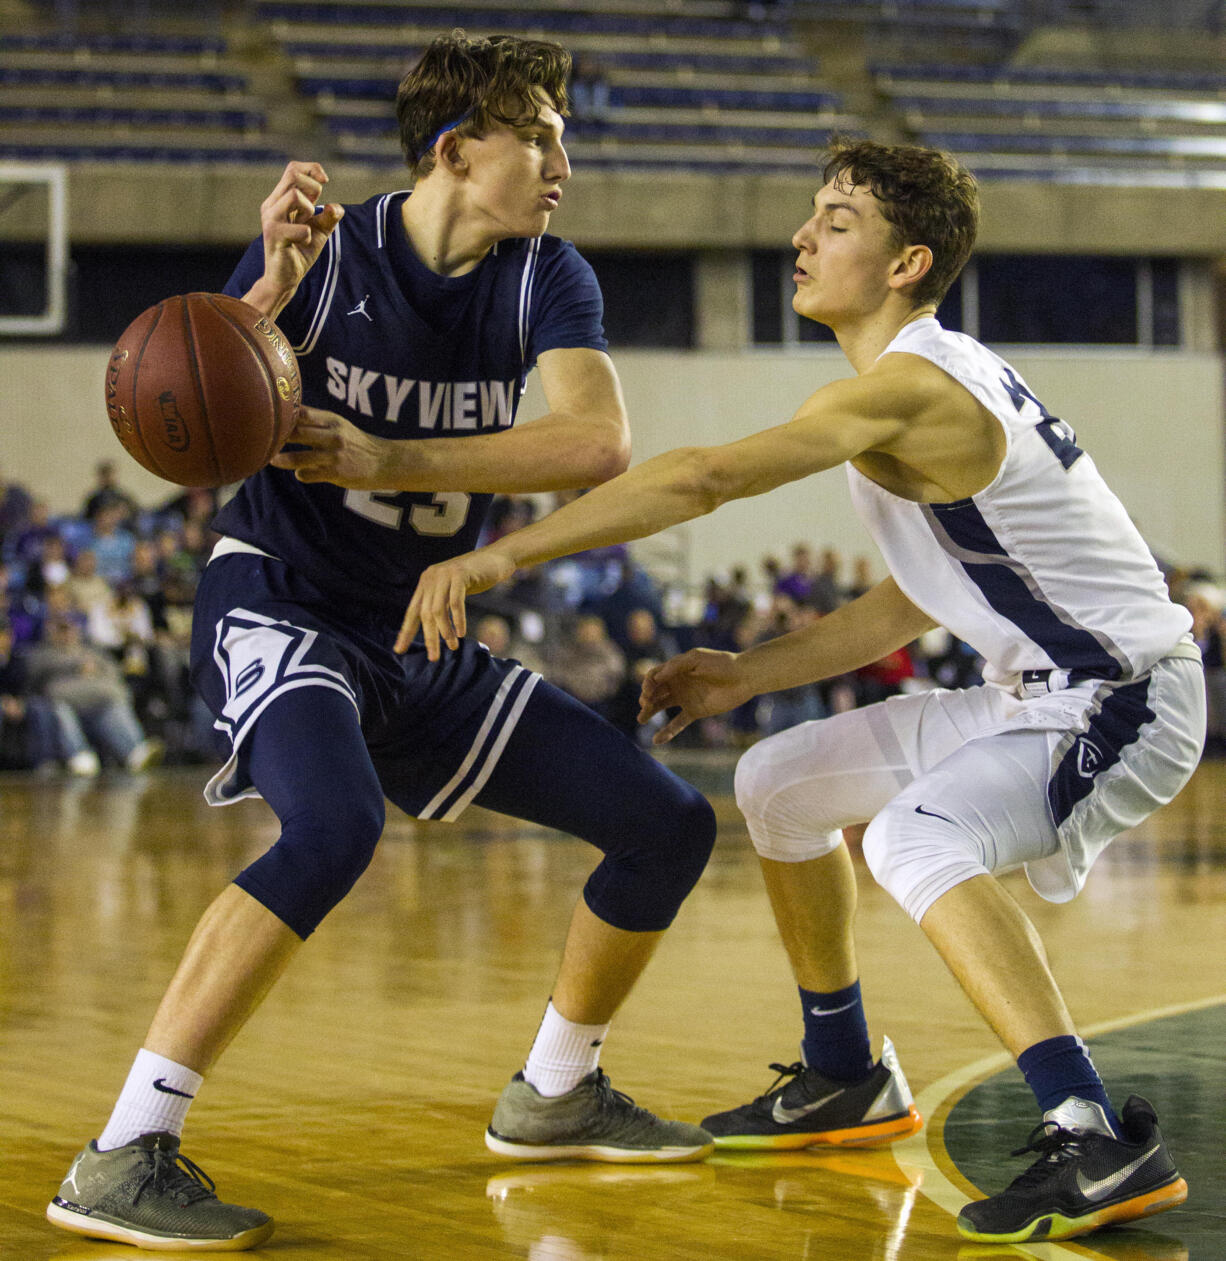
(248, 677)
(1089, 758)
(259, 658)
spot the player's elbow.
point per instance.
(609, 454)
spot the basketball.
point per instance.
(202, 389)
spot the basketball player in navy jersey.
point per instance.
(995, 524)
(416, 319)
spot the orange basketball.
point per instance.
(202, 389)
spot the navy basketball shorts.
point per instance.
(324, 720)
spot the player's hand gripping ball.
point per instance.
(202, 389)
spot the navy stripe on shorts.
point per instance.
(1117, 723)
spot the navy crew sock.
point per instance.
(1059, 1067)
(836, 1034)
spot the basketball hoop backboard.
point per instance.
(34, 209)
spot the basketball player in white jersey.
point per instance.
(996, 525)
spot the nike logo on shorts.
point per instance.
(932, 814)
(161, 1085)
(1100, 1188)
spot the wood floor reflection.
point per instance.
(352, 1107)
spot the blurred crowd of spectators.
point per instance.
(96, 607)
(95, 624)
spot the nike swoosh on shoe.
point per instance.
(1100, 1188)
(785, 1116)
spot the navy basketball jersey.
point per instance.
(404, 353)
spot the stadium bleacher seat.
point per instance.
(1090, 122)
(99, 96)
(682, 82)
(693, 84)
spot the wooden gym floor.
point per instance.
(353, 1105)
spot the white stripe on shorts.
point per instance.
(492, 717)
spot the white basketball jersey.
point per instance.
(1041, 570)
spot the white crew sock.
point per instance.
(563, 1054)
(154, 1099)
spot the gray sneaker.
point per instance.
(148, 1194)
(591, 1122)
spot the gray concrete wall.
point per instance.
(631, 209)
(1153, 423)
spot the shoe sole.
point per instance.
(878, 1134)
(1057, 1226)
(594, 1151)
(104, 1228)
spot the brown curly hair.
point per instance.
(467, 83)
(926, 196)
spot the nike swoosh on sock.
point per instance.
(160, 1085)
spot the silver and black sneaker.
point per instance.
(1085, 1177)
(149, 1194)
(801, 1108)
(591, 1122)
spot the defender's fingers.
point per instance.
(652, 685)
(663, 674)
(429, 632)
(409, 626)
(672, 728)
(651, 704)
(458, 611)
(436, 619)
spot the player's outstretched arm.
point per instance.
(839, 422)
(294, 235)
(665, 487)
(701, 683)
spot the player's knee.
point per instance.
(678, 852)
(317, 860)
(785, 822)
(693, 837)
(753, 781)
(916, 857)
(345, 843)
(641, 884)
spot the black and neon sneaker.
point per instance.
(801, 1108)
(1084, 1177)
(147, 1193)
(591, 1122)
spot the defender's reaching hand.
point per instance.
(701, 682)
(437, 606)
